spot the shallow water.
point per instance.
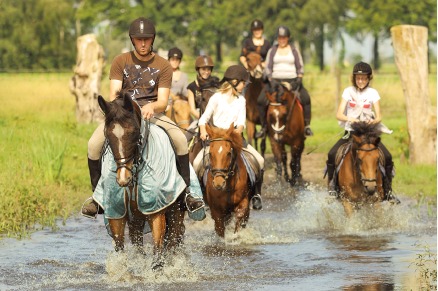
(299, 241)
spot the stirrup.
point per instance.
(392, 198)
(257, 198)
(261, 133)
(308, 131)
(84, 204)
(195, 199)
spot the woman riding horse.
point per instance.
(227, 107)
(357, 105)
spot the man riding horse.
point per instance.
(148, 78)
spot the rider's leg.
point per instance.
(257, 198)
(331, 167)
(95, 145)
(307, 112)
(387, 181)
(180, 142)
(261, 106)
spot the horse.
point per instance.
(128, 138)
(252, 92)
(286, 127)
(227, 188)
(360, 177)
(179, 111)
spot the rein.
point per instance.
(289, 114)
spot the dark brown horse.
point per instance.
(123, 132)
(179, 111)
(360, 179)
(252, 92)
(286, 127)
(227, 188)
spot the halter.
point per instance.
(358, 167)
(225, 172)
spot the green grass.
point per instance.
(43, 153)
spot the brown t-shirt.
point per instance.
(140, 77)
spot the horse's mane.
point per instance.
(235, 138)
(368, 132)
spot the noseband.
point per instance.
(225, 172)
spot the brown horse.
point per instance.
(126, 139)
(179, 111)
(286, 127)
(360, 179)
(252, 92)
(227, 189)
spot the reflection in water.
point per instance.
(299, 241)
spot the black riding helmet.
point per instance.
(175, 52)
(256, 24)
(236, 72)
(142, 28)
(362, 68)
(283, 31)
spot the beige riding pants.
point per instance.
(97, 139)
(197, 162)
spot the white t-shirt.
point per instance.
(223, 113)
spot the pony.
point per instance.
(127, 139)
(252, 92)
(286, 127)
(360, 177)
(180, 111)
(227, 188)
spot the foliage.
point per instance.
(426, 268)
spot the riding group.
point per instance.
(148, 165)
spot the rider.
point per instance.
(204, 81)
(148, 78)
(256, 43)
(228, 106)
(179, 79)
(284, 64)
(356, 105)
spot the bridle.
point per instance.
(289, 114)
(230, 170)
(358, 164)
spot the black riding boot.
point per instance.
(307, 116)
(262, 113)
(257, 198)
(192, 203)
(331, 180)
(387, 185)
(92, 208)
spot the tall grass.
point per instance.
(43, 152)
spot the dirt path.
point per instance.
(312, 168)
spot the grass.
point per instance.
(43, 152)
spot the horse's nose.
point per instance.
(370, 189)
(219, 184)
(123, 178)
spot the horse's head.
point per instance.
(122, 129)
(366, 139)
(225, 147)
(180, 112)
(279, 110)
(254, 62)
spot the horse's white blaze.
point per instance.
(118, 131)
(220, 150)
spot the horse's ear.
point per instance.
(102, 104)
(127, 102)
(231, 128)
(377, 140)
(209, 130)
(270, 96)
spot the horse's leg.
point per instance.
(348, 208)
(175, 228)
(241, 214)
(157, 223)
(295, 164)
(284, 162)
(250, 129)
(136, 227)
(117, 227)
(263, 146)
(219, 222)
(276, 150)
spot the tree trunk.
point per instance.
(86, 82)
(376, 60)
(410, 52)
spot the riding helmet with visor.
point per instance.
(256, 24)
(204, 61)
(236, 72)
(362, 68)
(283, 31)
(175, 53)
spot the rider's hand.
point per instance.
(147, 111)
(203, 134)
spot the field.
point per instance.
(43, 149)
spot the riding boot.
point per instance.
(332, 183)
(257, 198)
(307, 116)
(192, 203)
(387, 185)
(262, 113)
(91, 209)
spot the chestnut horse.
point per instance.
(128, 139)
(179, 111)
(286, 127)
(252, 92)
(227, 189)
(360, 178)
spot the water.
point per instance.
(299, 241)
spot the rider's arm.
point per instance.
(378, 116)
(243, 61)
(191, 98)
(340, 113)
(149, 109)
(115, 86)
